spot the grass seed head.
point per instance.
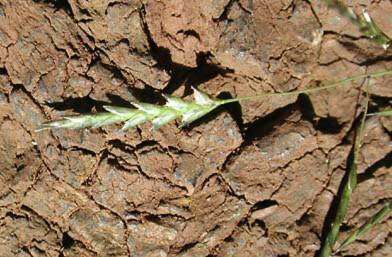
(143, 112)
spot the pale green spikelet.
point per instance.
(158, 115)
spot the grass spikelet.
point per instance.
(376, 218)
(363, 21)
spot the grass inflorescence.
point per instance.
(176, 108)
(158, 115)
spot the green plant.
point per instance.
(363, 21)
(376, 218)
(370, 29)
(387, 112)
(349, 184)
(175, 108)
(191, 111)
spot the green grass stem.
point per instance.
(343, 82)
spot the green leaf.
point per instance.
(387, 112)
(363, 21)
(349, 184)
(376, 218)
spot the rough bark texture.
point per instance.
(250, 180)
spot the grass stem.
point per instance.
(335, 84)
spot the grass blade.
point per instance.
(387, 112)
(363, 21)
(370, 29)
(381, 214)
(348, 187)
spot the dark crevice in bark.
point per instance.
(67, 241)
(226, 11)
(263, 204)
(378, 104)
(387, 57)
(329, 125)
(59, 5)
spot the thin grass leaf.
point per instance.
(370, 29)
(387, 112)
(376, 218)
(363, 21)
(348, 187)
